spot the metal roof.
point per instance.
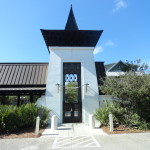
(71, 36)
(23, 74)
(71, 22)
(26, 78)
(123, 67)
(108, 66)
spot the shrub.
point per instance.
(132, 90)
(8, 118)
(102, 114)
(137, 122)
(27, 115)
(13, 117)
(120, 116)
(43, 113)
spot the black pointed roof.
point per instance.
(71, 22)
(71, 36)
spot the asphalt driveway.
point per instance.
(138, 141)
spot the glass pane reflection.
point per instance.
(67, 113)
(71, 92)
(76, 113)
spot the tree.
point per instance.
(137, 65)
(71, 92)
(133, 91)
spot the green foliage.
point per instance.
(7, 115)
(137, 122)
(102, 113)
(120, 116)
(4, 100)
(12, 100)
(27, 115)
(136, 65)
(43, 113)
(133, 91)
(13, 117)
(71, 92)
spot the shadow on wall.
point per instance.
(41, 101)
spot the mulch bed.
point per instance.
(122, 130)
(23, 133)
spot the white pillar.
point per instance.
(37, 125)
(54, 122)
(91, 121)
(111, 122)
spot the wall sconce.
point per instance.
(58, 85)
(86, 86)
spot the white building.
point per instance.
(72, 70)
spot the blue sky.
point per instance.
(126, 25)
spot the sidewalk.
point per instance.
(105, 142)
(73, 129)
(79, 137)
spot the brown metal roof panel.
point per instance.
(46, 72)
(22, 75)
(4, 75)
(11, 75)
(36, 75)
(0, 68)
(33, 75)
(15, 75)
(18, 75)
(1, 73)
(29, 75)
(25, 75)
(43, 75)
(8, 75)
(40, 75)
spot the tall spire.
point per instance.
(71, 22)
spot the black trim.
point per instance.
(101, 74)
(72, 68)
(71, 38)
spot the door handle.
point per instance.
(71, 110)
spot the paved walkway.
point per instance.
(73, 129)
(79, 137)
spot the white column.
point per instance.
(37, 125)
(111, 122)
(54, 122)
(91, 121)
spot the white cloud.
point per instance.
(119, 4)
(98, 49)
(109, 43)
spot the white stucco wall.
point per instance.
(54, 98)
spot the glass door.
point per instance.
(72, 106)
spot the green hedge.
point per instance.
(13, 118)
(120, 116)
